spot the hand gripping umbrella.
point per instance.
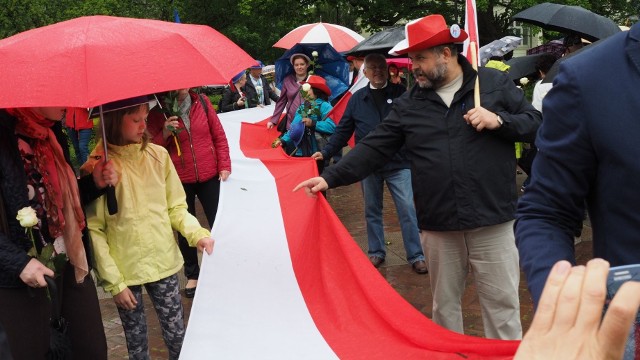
(90, 61)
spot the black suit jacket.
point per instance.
(252, 94)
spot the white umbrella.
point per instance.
(499, 47)
(340, 37)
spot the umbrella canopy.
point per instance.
(551, 74)
(522, 66)
(499, 47)
(333, 67)
(555, 47)
(340, 37)
(400, 63)
(569, 19)
(380, 42)
(296, 132)
(89, 61)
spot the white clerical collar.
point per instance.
(373, 88)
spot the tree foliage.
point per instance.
(256, 25)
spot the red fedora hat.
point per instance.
(428, 32)
(319, 83)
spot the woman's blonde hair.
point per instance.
(113, 125)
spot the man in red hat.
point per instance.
(463, 172)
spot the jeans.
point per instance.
(208, 193)
(399, 184)
(80, 140)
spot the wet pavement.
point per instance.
(348, 205)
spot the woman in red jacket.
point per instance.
(199, 150)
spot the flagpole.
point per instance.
(474, 64)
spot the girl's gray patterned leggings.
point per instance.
(165, 296)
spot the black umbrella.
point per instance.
(556, 66)
(59, 343)
(522, 66)
(569, 19)
(380, 42)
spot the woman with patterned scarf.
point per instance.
(42, 223)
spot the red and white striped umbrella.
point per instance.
(340, 37)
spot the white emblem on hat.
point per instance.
(389, 101)
(455, 31)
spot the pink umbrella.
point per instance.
(93, 60)
(340, 37)
(89, 61)
(400, 62)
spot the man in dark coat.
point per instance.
(587, 152)
(463, 172)
(257, 88)
(366, 109)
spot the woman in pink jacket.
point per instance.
(200, 153)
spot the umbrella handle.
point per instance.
(55, 300)
(112, 202)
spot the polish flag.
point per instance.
(471, 28)
(338, 110)
(287, 281)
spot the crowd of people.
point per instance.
(447, 160)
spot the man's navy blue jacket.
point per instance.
(362, 116)
(588, 151)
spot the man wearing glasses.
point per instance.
(365, 110)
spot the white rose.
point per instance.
(27, 217)
(314, 54)
(306, 87)
(258, 88)
(524, 81)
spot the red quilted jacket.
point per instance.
(205, 151)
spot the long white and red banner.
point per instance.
(287, 281)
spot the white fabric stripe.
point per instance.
(248, 304)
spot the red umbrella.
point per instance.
(340, 37)
(554, 47)
(89, 61)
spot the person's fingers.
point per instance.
(304, 184)
(569, 300)
(319, 187)
(546, 312)
(48, 272)
(594, 291)
(621, 313)
(209, 246)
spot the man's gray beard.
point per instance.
(435, 79)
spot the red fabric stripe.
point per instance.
(359, 314)
(339, 38)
